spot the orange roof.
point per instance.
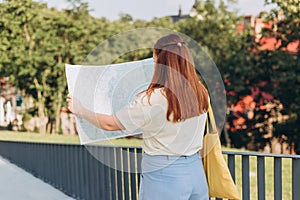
(268, 25)
(293, 47)
(269, 43)
(240, 27)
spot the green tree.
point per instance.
(17, 22)
(284, 67)
(214, 27)
(37, 41)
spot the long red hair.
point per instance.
(174, 71)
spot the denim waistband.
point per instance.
(172, 157)
(156, 162)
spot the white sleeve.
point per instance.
(135, 115)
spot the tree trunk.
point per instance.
(42, 117)
(41, 107)
(275, 145)
(60, 95)
(226, 135)
(40, 96)
(57, 118)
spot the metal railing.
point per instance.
(75, 169)
(260, 168)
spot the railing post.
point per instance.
(81, 171)
(102, 174)
(245, 177)
(139, 161)
(60, 161)
(86, 173)
(261, 177)
(277, 178)
(108, 171)
(119, 169)
(296, 178)
(93, 173)
(133, 173)
(75, 153)
(231, 165)
(68, 165)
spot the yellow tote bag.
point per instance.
(220, 182)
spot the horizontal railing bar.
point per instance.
(138, 147)
(112, 146)
(261, 154)
(122, 146)
(43, 142)
(70, 144)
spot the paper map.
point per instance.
(106, 89)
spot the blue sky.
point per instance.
(148, 9)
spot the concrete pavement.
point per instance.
(17, 184)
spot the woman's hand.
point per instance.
(105, 122)
(74, 105)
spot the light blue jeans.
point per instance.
(173, 178)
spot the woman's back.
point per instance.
(161, 136)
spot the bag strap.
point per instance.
(211, 120)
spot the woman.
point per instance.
(171, 113)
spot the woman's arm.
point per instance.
(105, 122)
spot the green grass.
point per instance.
(55, 138)
(269, 162)
(35, 137)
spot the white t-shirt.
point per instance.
(160, 136)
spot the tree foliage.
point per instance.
(285, 76)
(36, 42)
